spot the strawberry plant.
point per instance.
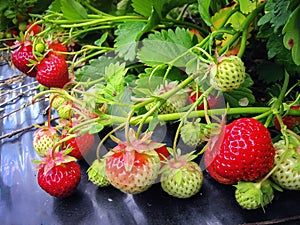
(225, 74)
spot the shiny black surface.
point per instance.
(23, 202)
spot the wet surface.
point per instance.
(22, 201)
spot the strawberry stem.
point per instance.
(106, 137)
(145, 116)
(278, 102)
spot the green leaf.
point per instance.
(270, 72)
(247, 6)
(153, 21)
(3, 4)
(163, 7)
(195, 65)
(240, 97)
(95, 69)
(143, 7)
(124, 107)
(248, 81)
(126, 42)
(167, 47)
(291, 33)
(203, 7)
(114, 77)
(96, 128)
(73, 10)
(55, 6)
(145, 85)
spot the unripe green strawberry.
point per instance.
(65, 111)
(57, 100)
(96, 173)
(181, 178)
(191, 133)
(171, 105)
(251, 195)
(44, 139)
(229, 74)
(287, 174)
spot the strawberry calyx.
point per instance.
(54, 158)
(178, 160)
(143, 144)
(175, 165)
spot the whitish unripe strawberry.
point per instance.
(191, 133)
(287, 161)
(44, 139)
(181, 177)
(251, 195)
(96, 173)
(228, 74)
(133, 167)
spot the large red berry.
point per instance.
(289, 121)
(243, 151)
(80, 145)
(21, 59)
(53, 71)
(58, 48)
(61, 180)
(35, 29)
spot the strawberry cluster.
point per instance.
(44, 61)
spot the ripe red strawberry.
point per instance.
(289, 121)
(21, 59)
(53, 71)
(59, 175)
(58, 48)
(213, 102)
(80, 145)
(33, 29)
(133, 167)
(243, 151)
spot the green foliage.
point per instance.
(271, 28)
(163, 7)
(126, 39)
(167, 47)
(73, 10)
(203, 7)
(291, 37)
(153, 78)
(242, 96)
(95, 69)
(247, 6)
